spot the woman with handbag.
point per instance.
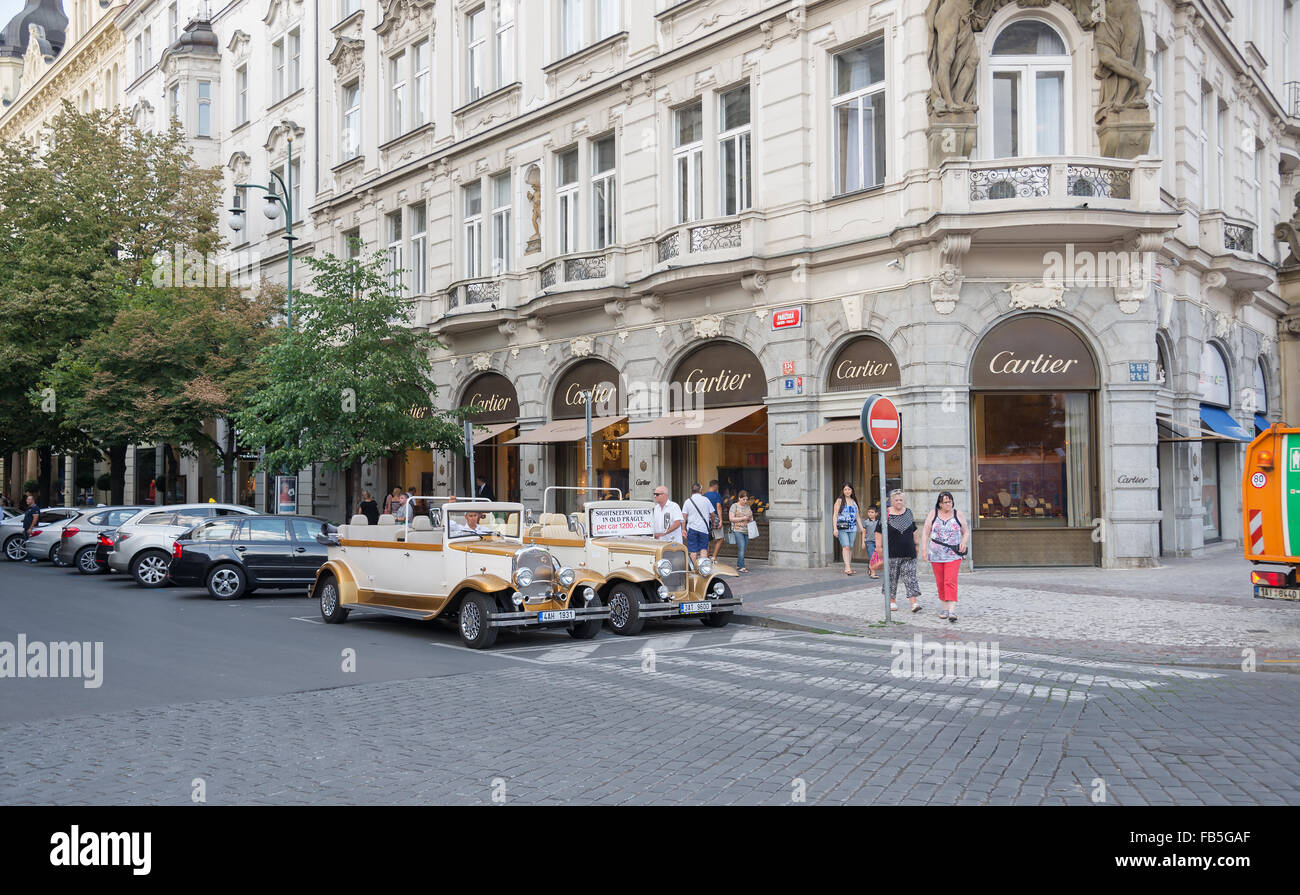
(899, 526)
(848, 525)
(947, 535)
(742, 517)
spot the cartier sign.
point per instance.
(863, 363)
(597, 376)
(493, 397)
(719, 374)
(1032, 352)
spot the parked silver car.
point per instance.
(45, 543)
(143, 544)
(80, 535)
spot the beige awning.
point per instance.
(834, 432)
(486, 432)
(694, 422)
(566, 430)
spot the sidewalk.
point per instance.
(1196, 611)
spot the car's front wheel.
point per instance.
(227, 582)
(624, 603)
(56, 559)
(149, 569)
(85, 561)
(15, 548)
(474, 621)
(331, 601)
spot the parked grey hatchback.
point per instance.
(80, 536)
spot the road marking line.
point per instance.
(304, 618)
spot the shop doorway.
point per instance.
(858, 464)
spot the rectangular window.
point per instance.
(566, 196)
(473, 197)
(420, 75)
(352, 243)
(606, 18)
(293, 179)
(505, 47)
(348, 7)
(1220, 136)
(604, 230)
(295, 62)
(205, 109)
(419, 226)
(241, 94)
(148, 48)
(1204, 138)
(173, 24)
(277, 71)
(1006, 114)
(241, 201)
(1157, 98)
(859, 117)
(396, 94)
(688, 161)
(570, 26)
(352, 120)
(394, 224)
(476, 45)
(139, 55)
(502, 254)
(1257, 191)
(734, 150)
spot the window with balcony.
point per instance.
(688, 161)
(604, 228)
(473, 215)
(858, 113)
(1156, 99)
(734, 151)
(393, 223)
(1203, 139)
(204, 110)
(241, 94)
(566, 200)
(1029, 88)
(502, 254)
(351, 104)
(1220, 159)
(1254, 186)
(419, 229)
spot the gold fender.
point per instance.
(343, 574)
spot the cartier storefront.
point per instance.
(1034, 422)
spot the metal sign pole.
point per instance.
(884, 538)
(591, 474)
(469, 453)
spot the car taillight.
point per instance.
(69, 532)
(176, 550)
(1270, 579)
(121, 538)
(34, 532)
(106, 540)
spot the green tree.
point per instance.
(352, 381)
(83, 212)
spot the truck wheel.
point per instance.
(624, 603)
(718, 619)
(473, 621)
(331, 603)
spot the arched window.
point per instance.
(1029, 90)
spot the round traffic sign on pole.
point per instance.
(881, 424)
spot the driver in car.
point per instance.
(470, 525)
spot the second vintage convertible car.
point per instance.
(644, 577)
(468, 563)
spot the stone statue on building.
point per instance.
(954, 64)
(1290, 232)
(534, 180)
(1124, 124)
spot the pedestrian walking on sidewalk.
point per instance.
(667, 522)
(31, 518)
(903, 541)
(947, 535)
(699, 522)
(870, 526)
(848, 525)
(718, 533)
(741, 517)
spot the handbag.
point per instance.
(877, 562)
(753, 529)
(731, 537)
(954, 548)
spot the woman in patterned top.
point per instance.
(903, 541)
(947, 536)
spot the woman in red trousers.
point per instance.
(947, 535)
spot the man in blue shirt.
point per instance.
(31, 517)
(716, 499)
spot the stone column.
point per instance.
(647, 461)
(1129, 482)
(796, 523)
(69, 480)
(1288, 344)
(128, 476)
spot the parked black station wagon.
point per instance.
(235, 555)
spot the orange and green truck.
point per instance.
(1270, 500)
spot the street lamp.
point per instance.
(271, 208)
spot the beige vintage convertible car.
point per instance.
(642, 577)
(467, 562)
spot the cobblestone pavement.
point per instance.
(684, 715)
(1195, 610)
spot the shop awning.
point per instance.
(1221, 423)
(489, 431)
(696, 422)
(1261, 423)
(565, 430)
(834, 432)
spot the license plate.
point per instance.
(689, 608)
(1277, 593)
(557, 615)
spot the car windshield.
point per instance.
(469, 522)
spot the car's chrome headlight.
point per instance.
(567, 576)
(524, 577)
(705, 566)
(517, 598)
(664, 568)
(719, 588)
(589, 596)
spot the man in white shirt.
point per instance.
(668, 520)
(699, 518)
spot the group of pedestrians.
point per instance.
(945, 535)
(701, 522)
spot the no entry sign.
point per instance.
(880, 423)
